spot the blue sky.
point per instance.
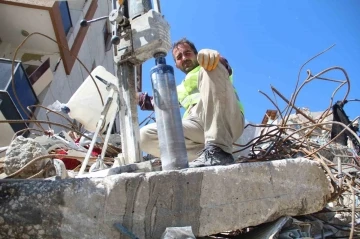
(266, 42)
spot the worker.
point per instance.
(214, 115)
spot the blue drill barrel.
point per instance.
(173, 153)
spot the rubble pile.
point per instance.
(55, 155)
(328, 137)
(21, 152)
(310, 137)
(289, 137)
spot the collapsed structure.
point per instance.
(306, 186)
(296, 173)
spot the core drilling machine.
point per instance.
(140, 33)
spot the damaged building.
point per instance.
(63, 175)
(44, 71)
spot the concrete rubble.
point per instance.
(148, 203)
(268, 193)
(20, 152)
(296, 175)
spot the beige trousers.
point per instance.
(216, 119)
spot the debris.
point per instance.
(60, 168)
(297, 175)
(69, 162)
(60, 140)
(20, 152)
(209, 199)
(86, 141)
(98, 165)
(265, 231)
(146, 166)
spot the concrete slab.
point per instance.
(210, 200)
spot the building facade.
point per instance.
(49, 71)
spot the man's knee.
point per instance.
(144, 135)
(148, 134)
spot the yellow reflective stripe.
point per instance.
(194, 71)
(181, 92)
(188, 92)
(188, 86)
(191, 80)
(231, 78)
(241, 107)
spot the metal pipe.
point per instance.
(340, 176)
(157, 7)
(129, 123)
(85, 23)
(107, 137)
(97, 131)
(173, 153)
(137, 8)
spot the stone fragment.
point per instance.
(209, 199)
(20, 152)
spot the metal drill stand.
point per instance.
(138, 33)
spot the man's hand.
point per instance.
(208, 59)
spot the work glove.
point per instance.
(208, 59)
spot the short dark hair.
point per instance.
(185, 41)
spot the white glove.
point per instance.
(208, 59)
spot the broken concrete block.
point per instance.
(20, 152)
(210, 200)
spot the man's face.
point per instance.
(185, 58)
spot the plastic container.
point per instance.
(85, 105)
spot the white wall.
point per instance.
(14, 19)
(6, 132)
(92, 51)
(43, 81)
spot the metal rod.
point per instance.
(107, 137)
(85, 23)
(157, 6)
(97, 19)
(294, 107)
(129, 124)
(97, 131)
(340, 172)
(93, 141)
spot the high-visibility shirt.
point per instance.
(188, 92)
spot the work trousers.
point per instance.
(216, 119)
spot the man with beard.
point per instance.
(214, 115)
